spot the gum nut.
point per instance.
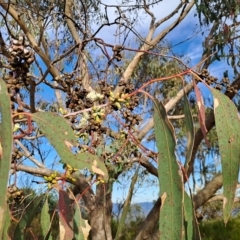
(13, 53)
(14, 41)
(30, 60)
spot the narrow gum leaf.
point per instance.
(45, 219)
(190, 222)
(65, 215)
(189, 130)
(171, 184)
(80, 226)
(201, 113)
(228, 131)
(6, 142)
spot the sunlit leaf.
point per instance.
(228, 131)
(6, 226)
(85, 229)
(62, 137)
(81, 227)
(45, 221)
(126, 207)
(55, 126)
(170, 177)
(190, 222)
(6, 142)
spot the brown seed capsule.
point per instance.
(15, 42)
(27, 54)
(14, 53)
(30, 60)
(18, 193)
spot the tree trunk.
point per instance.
(98, 206)
(100, 216)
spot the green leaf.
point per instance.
(126, 207)
(6, 142)
(62, 137)
(190, 222)
(190, 131)
(27, 217)
(55, 127)
(6, 225)
(170, 177)
(228, 131)
(79, 224)
(45, 220)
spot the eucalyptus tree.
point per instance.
(83, 76)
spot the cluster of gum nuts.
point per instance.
(14, 194)
(51, 179)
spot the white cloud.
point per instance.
(160, 11)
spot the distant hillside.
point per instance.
(140, 208)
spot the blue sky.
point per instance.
(191, 49)
(149, 190)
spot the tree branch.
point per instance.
(161, 21)
(81, 186)
(153, 18)
(172, 103)
(150, 222)
(82, 60)
(32, 170)
(150, 44)
(53, 71)
(151, 169)
(220, 197)
(207, 192)
(27, 154)
(4, 50)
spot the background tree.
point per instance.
(106, 89)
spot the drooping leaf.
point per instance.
(62, 137)
(6, 226)
(27, 217)
(170, 177)
(189, 130)
(126, 207)
(201, 113)
(45, 220)
(228, 132)
(6, 142)
(81, 227)
(85, 229)
(65, 216)
(190, 222)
